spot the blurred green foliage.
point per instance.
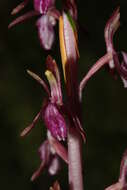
(104, 101)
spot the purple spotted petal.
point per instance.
(45, 31)
(42, 6)
(54, 121)
(110, 29)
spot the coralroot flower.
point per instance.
(54, 120)
(46, 22)
(50, 152)
(122, 181)
(115, 63)
(51, 112)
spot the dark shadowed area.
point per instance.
(104, 99)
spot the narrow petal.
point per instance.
(54, 121)
(58, 147)
(39, 80)
(111, 27)
(19, 7)
(101, 62)
(42, 6)
(37, 173)
(22, 18)
(46, 31)
(31, 126)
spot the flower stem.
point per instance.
(75, 159)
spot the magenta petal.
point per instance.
(42, 6)
(54, 121)
(45, 31)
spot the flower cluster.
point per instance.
(63, 119)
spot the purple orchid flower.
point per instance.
(51, 108)
(51, 149)
(115, 63)
(45, 24)
(122, 181)
(50, 153)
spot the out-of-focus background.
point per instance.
(104, 100)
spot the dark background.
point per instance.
(104, 101)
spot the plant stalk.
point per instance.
(75, 159)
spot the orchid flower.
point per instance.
(50, 153)
(50, 111)
(122, 181)
(115, 63)
(45, 24)
(54, 120)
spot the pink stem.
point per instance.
(75, 159)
